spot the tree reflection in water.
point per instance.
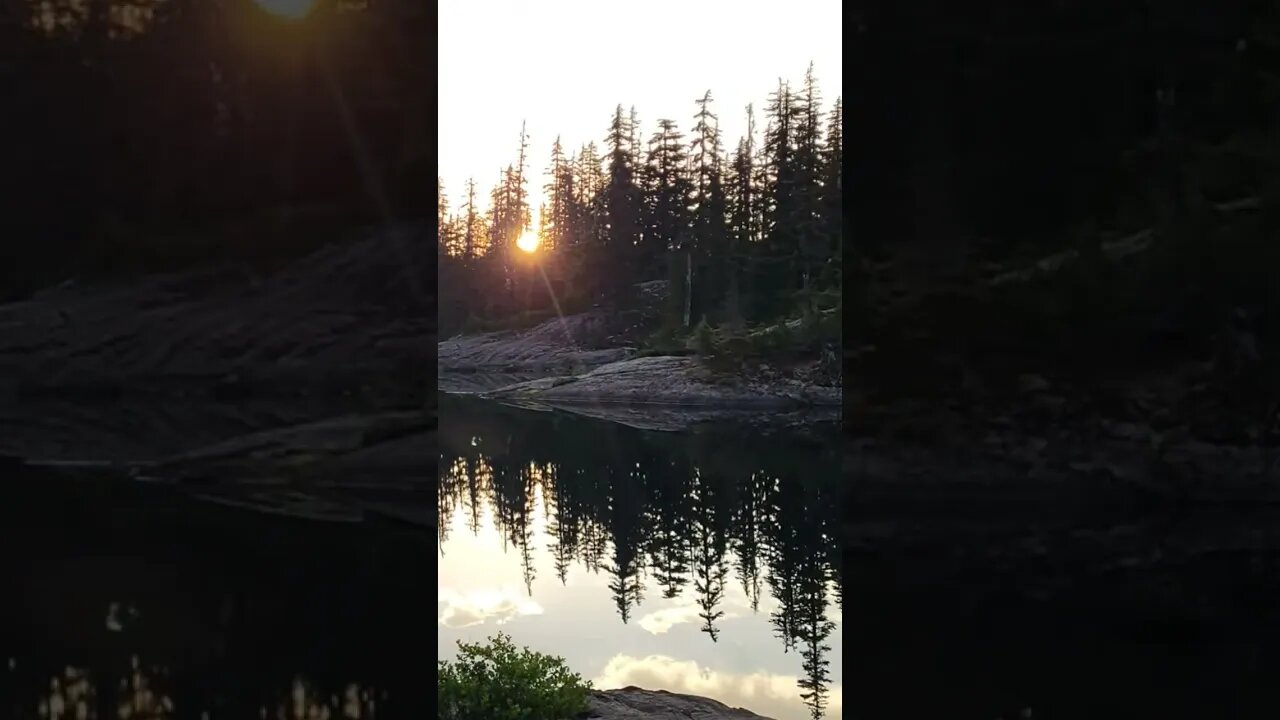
(659, 512)
(141, 602)
(142, 694)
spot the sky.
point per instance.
(563, 65)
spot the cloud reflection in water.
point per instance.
(458, 611)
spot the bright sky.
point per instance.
(563, 65)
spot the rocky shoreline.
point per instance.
(300, 394)
(561, 365)
(351, 318)
(633, 703)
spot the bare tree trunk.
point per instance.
(688, 286)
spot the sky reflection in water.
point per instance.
(697, 564)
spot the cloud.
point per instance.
(455, 610)
(660, 621)
(775, 696)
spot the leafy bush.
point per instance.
(665, 341)
(703, 340)
(499, 681)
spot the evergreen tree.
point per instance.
(500, 218)
(776, 263)
(622, 211)
(523, 217)
(624, 523)
(472, 229)
(673, 191)
(710, 215)
(710, 546)
(812, 630)
(555, 216)
(833, 189)
(545, 240)
(669, 547)
(811, 242)
(564, 528)
(744, 204)
(511, 215)
(670, 224)
(443, 241)
(748, 525)
(589, 205)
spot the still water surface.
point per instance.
(135, 601)
(701, 563)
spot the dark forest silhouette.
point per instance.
(744, 234)
(658, 515)
(1063, 320)
(149, 134)
(1079, 189)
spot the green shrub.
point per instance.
(703, 341)
(665, 341)
(499, 681)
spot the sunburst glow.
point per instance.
(294, 9)
(527, 242)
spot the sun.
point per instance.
(527, 242)
(292, 9)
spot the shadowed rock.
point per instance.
(671, 393)
(353, 316)
(564, 344)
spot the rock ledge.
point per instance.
(633, 703)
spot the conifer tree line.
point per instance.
(744, 231)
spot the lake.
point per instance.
(701, 563)
(141, 597)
